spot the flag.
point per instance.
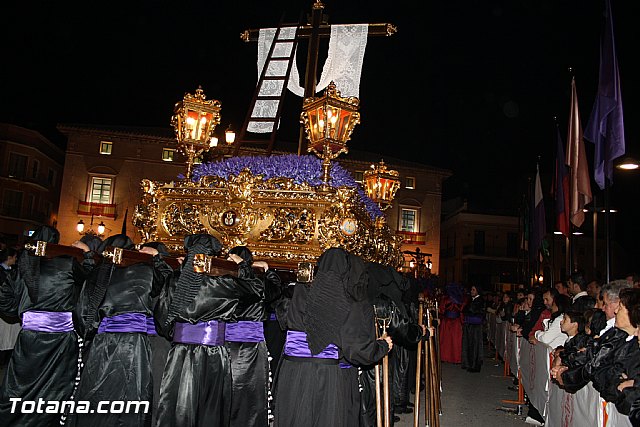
(124, 222)
(605, 127)
(539, 222)
(579, 182)
(561, 190)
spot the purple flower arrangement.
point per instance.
(302, 169)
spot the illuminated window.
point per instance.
(167, 154)
(410, 183)
(105, 147)
(409, 220)
(101, 189)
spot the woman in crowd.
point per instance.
(552, 335)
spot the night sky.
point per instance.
(468, 85)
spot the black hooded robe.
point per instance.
(196, 383)
(315, 392)
(43, 364)
(118, 365)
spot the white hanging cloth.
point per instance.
(343, 65)
(344, 60)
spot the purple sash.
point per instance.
(452, 314)
(47, 321)
(297, 346)
(151, 326)
(124, 323)
(473, 319)
(206, 333)
(244, 331)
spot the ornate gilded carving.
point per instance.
(146, 212)
(279, 219)
(293, 225)
(182, 219)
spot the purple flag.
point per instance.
(606, 126)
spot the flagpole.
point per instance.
(607, 242)
(570, 241)
(595, 236)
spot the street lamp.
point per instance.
(329, 121)
(80, 228)
(194, 119)
(217, 150)
(628, 163)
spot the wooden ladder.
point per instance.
(283, 49)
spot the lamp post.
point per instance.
(217, 150)
(329, 121)
(194, 119)
(381, 184)
(90, 231)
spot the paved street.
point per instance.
(471, 399)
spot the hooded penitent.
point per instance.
(92, 241)
(158, 246)
(341, 279)
(29, 265)
(104, 271)
(190, 282)
(244, 253)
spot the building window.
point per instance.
(410, 183)
(105, 147)
(409, 220)
(167, 154)
(51, 177)
(12, 203)
(359, 176)
(17, 165)
(35, 168)
(100, 190)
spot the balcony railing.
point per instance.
(96, 209)
(412, 237)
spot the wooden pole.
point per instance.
(416, 401)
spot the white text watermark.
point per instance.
(42, 406)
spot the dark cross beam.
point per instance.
(314, 31)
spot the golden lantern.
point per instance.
(328, 122)
(194, 120)
(381, 184)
